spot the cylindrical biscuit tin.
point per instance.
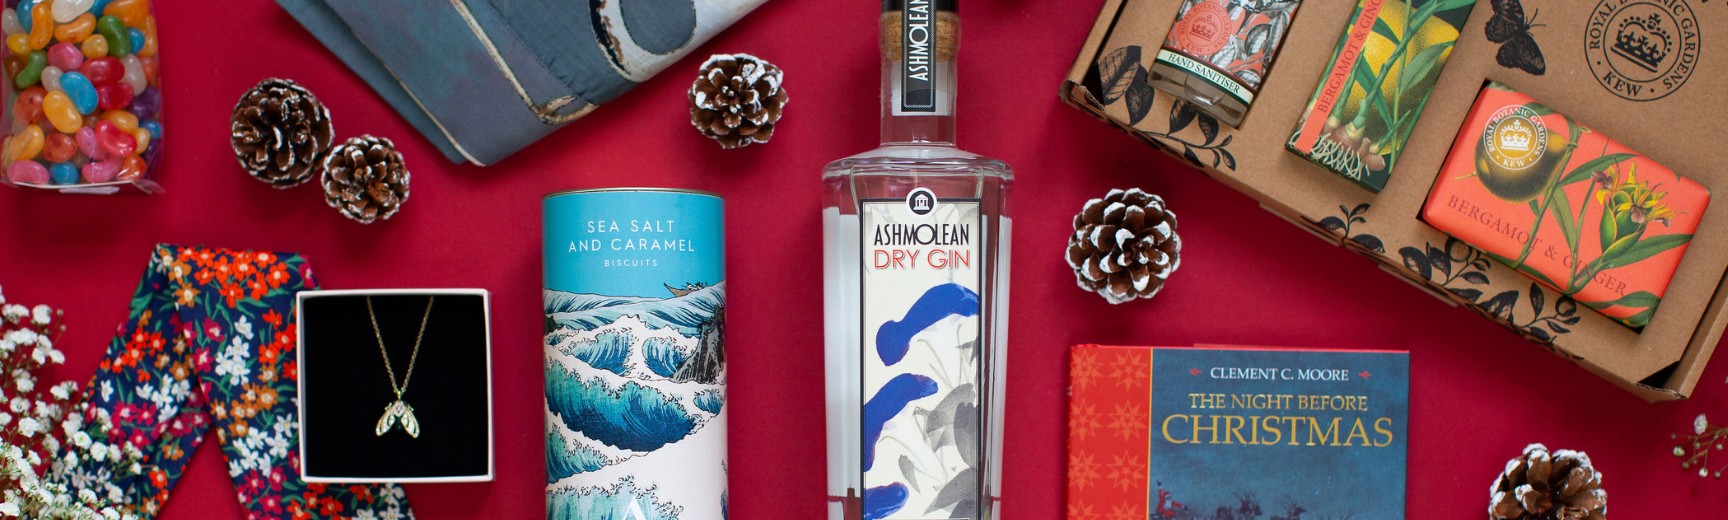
(635, 303)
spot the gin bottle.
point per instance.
(915, 262)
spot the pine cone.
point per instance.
(737, 99)
(1537, 486)
(279, 130)
(365, 179)
(1124, 245)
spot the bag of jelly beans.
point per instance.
(84, 96)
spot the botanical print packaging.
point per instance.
(1380, 77)
(1566, 205)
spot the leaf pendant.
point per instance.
(398, 411)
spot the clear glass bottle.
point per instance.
(915, 258)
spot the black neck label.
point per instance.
(918, 43)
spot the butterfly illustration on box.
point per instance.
(1510, 29)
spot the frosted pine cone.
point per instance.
(737, 99)
(1124, 245)
(365, 179)
(278, 131)
(1539, 486)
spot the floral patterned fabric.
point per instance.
(209, 344)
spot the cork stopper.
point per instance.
(947, 33)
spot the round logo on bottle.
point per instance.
(1515, 138)
(1204, 29)
(921, 202)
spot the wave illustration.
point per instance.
(589, 311)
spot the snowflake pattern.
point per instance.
(1127, 471)
(1129, 371)
(1082, 471)
(1086, 370)
(1084, 420)
(207, 347)
(1129, 422)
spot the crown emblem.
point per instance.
(1643, 41)
(1515, 136)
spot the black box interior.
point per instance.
(345, 389)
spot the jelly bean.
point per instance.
(66, 56)
(32, 71)
(134, 73)
(95, 46)
(114, 96)
(82, 92)
(19, 44)
(42, 32)
(13, 65)
(153, 156)
(132, 12)
(9, 23)
(145, 104)
(51, 78)
(143, 139)
(76, 30)
(59, 147)
(123, 119)
(28, 106)
(23, 11)
(149, 38)
(137, 38)
(155, 128)
(61, 112)
(114, 31)
(114, 140)
(131, 168)
(27, 144)
(102, 71)
(86, 139)
(100, 5)
(67, 10)
(149, 69)
(63, 173)
(30, 172)
(102, 171)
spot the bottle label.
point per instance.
(922, 269)
(918, 44)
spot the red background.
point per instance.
(1478, 394)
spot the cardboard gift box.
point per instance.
(350, 428)
(1639, 72)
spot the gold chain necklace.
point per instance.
(399, 410)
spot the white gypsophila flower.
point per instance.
(39, 355)
(20, 404)
(10, 508)
(81, 439)
(56, 355)
(14, 312)
(41, 315)
(98, 451)
(26, 384)
(28, 426)
(5, 418)
(1699, 425)
(53, 444)
(59, 392)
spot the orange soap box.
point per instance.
(1566, 205)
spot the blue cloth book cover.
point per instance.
(1237, 433)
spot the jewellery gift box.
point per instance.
(395, 385)
(1644, 73)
